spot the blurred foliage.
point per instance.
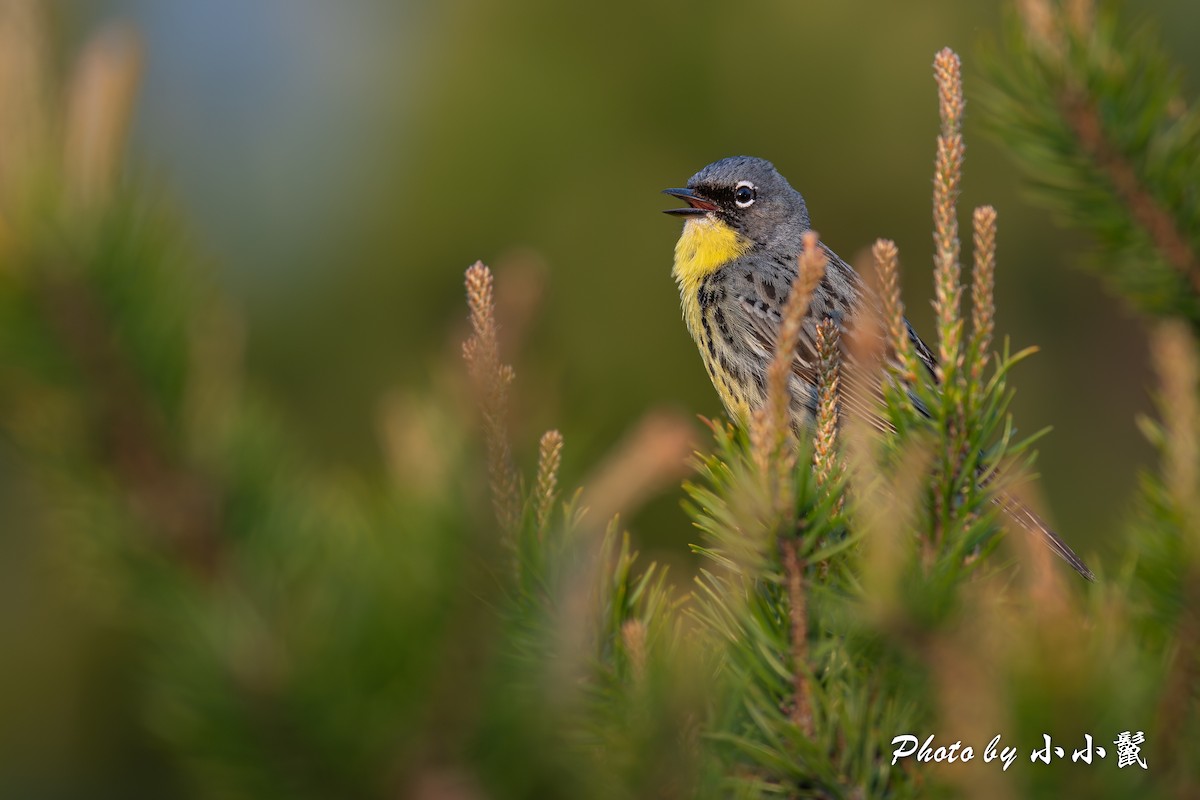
(1094, 114)
(336, 159)
(195, 604)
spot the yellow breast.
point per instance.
(705, 246)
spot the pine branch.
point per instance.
(793, 568)
(1083, 115)
(1089, 105)
(170, 497)
(1178, 368)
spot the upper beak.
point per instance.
(696, 205)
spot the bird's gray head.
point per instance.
(750, 196)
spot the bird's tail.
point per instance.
(1019, 513)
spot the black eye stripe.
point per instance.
(726, 195)
(719, 193)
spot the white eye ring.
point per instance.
(744, 199)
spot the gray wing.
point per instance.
(760, 298)
(842, 291)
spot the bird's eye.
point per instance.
(743, 195)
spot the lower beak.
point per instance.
(696, 205)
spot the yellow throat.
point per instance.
(705, 246)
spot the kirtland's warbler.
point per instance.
(735, 263)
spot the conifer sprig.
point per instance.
(549, 460)
(775, 420)
(793, 571)
(99, 108)
(947, 180)
(1091, 108)
(492, 380)
(826, 458)
(124, 354)
(771, 425)
(1173, 351)
(983, 280)
(887, 268)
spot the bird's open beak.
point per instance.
(696, 205)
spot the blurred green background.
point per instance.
(340, 164)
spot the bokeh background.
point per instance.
(338, 165)
(341, 164)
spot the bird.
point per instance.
(735, 263)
